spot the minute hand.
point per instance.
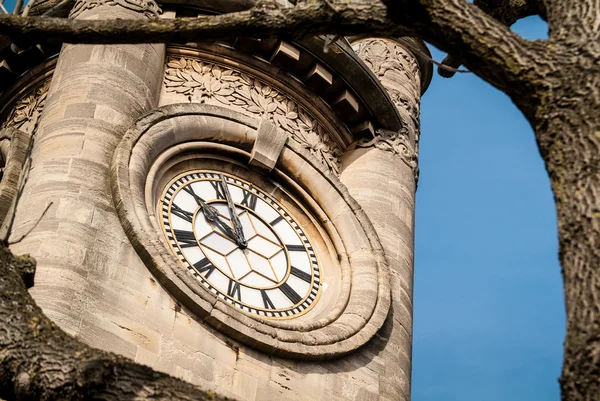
(237, 224)
(211, 214)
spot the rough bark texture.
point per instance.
(555, 83)
(40, 361)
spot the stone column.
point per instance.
(97, 91)
(381, 174)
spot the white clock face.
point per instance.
(241, 244)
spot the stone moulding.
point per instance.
(356, 315)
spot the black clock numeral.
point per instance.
(204, 265)
(185, 238)
(290, 293)
(190, 190)
(266, 300)
(249, 200)
(234, 288)
(277, 220)
(301, 274)
(295, 247)
(179, 212)
(219, 190)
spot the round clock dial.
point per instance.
(240, 243)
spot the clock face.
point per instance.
(240, 243)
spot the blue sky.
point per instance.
(489, 316)
(488, 304)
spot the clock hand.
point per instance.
(237, 224)
(211, 214)
(227, 230)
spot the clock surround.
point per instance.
(177, 136)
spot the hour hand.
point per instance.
(237, 224)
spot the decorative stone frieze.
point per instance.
(205, 82)
(394, 142)
(26, 113)
(148, 8)
(399, 73)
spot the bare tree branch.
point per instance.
(487, 47)
(40, 361)
(303, 20)
(505, 11)
(449, 24)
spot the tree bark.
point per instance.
(39, 361)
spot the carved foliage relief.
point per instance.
(399, 73)
(26, 113)
(205, 82)
(148, 8)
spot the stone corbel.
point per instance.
(394, 142)
(268, 146)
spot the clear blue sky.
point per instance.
(488, 304)
(489, 316)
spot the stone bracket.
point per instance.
(268, 146)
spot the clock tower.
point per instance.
(238, 214)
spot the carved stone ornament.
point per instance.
(397, 143)
(26, 113)
(148, 8)
(175, 138)
(398, 71)
(204, 82)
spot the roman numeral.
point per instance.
(301, 274)
(218, 187)
(249, 200)
(190, 190)
(277, 220)
(295, 248)
(185, 239)
(290, 293)
(204, 265)
(266, 300)
(179, 212)
(234, 288)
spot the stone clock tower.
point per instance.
(237, 214)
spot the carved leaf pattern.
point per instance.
(394, 142)
(149, 8)
(386, 57)
(201, 81)
(26, 113)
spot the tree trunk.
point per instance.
(567, 126)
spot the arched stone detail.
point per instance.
(363, 305)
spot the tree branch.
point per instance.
(505, 11)
(491, 49)
(263, 20)
(40, 361)
(487, 47)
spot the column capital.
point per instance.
(395, 64)
(394, 142)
